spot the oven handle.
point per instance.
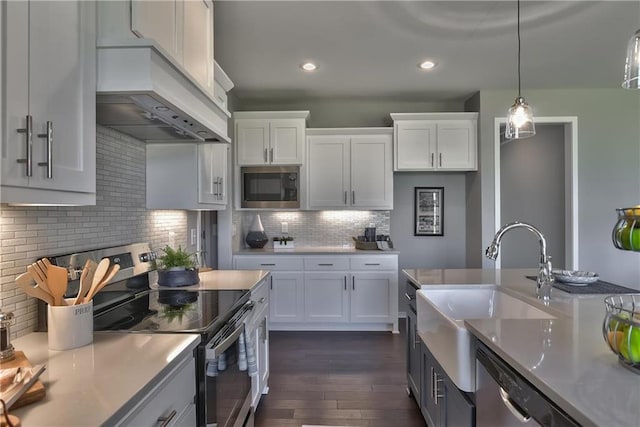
(224, 345)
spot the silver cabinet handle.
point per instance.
(353, 283)
(28, 130)
(523, 418)
(409, 297)
(261, 300)
(268, 264)
(353, 197)
(214, 182)
(372, 263)
(436, 396)
(271, 155)
(345, 283)
(345, 197)
(165, 420)
(325, 265)
(432, 382)
(432, 154)
(49, 137)
(265, 156)
(440, 160)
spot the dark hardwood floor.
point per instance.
(337, 379)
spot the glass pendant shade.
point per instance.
(520, 120)
(632, 64)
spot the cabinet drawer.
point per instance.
(273, 263)
(326, 263)
(374, 263)
(174, 393)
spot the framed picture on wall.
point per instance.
(428, 211)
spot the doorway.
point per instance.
(536, 182)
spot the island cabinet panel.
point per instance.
(441, 402)
(329, 292)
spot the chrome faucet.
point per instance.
(544, 281)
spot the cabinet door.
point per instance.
(431, 409)
(457, 145)
(413, 355)
(263, 355)
(459, 410)
(286, 297)
(329, 164)
(371, 297)
(197, 41)
(415, 145)
(371, 172)
(326, 298)
(286, 138)
(252, 137)
(212, 173)
(61, 90)
(156, 20)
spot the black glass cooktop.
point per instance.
(171, 311)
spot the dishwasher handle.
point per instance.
(520, 416)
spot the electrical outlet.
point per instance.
(285, 227)
(194, 236)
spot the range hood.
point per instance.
(143, 94)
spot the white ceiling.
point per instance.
(372, 48)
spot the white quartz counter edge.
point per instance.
(99, 383)
(327, 250)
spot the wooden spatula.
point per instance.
(108, 276)
(25, 281)
(57, 278)
(85, 282)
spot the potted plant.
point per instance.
(176, 268)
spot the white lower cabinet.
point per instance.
(257, 330)
(329, 292)
(286, 297)
(170, 402)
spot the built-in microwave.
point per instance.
(270, 187)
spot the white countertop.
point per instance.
(566, 358)
(324, 250)
(223, 280)
(99, 383)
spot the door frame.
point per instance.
(571, 182)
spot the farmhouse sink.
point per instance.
(441, 316)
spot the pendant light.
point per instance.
(520, 118)
(632, 64)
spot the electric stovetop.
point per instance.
(172, 311)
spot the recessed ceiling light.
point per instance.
(309, 66)
(427, 65)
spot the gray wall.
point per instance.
(446, 251)
(532, 190)
(608, 169)
(119, 217)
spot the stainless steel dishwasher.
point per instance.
(505, 398)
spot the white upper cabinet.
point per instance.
(187, 176)
(49, 137)
(270, 138)
(350, 168)
(435, 141)
(181, 29)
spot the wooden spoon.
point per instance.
(25, 282)
(94, 290)
(85, 283)
(57, 278)
(101, 270)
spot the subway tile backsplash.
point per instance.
(314, 228)
(119, 217)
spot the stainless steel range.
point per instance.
(128, 304)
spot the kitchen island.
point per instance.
(565, 358)
(101, 383)
(224, 280)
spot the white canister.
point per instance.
(69, 326)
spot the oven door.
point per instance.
(227, 379)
